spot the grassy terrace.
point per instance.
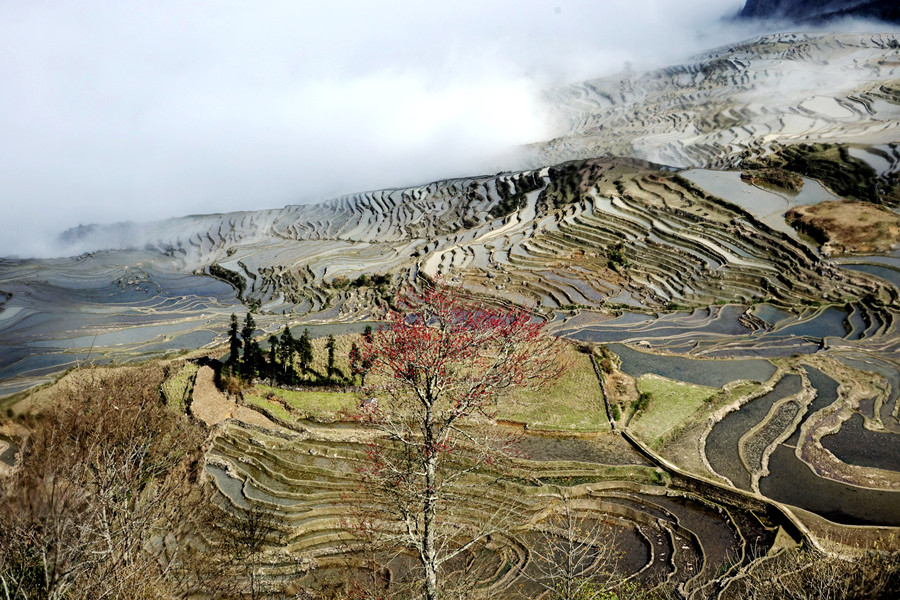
(178, 387)
(291, 406)
(673, 405)
(573, 403)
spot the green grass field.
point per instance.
(303, 405)
(574, 403)
(673, 405)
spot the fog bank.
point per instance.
(117, 111)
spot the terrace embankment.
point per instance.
(759, 435)
(666, 532)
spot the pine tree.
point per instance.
(329, 345)
(250, 362)
(286, 348)
(234, 343)
(304, 351)
(274, 371)
(355, 359)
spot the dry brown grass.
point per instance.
(848, 227)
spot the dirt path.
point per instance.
(212, 406)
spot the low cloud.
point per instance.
(115, 111)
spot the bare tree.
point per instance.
(104, 485)
(442, 359)
(573, 554)
(805, 574)
(243, 537)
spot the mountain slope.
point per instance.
(735, 102)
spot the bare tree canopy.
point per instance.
(441, 358)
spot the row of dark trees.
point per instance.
(288, 360)
(286, 354)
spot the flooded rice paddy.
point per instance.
(711, 373)
(722, 443)
(792, 481)
(855, 445)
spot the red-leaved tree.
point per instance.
(440, 359)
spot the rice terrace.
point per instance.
(659, 360)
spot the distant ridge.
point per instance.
(817, 11)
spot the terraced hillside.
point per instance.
(606, 234)
(748, 381)
(586, 233)
(735, 102)
(665, 534)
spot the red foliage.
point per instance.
(442, 358)
(446, 354)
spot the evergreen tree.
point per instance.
(256, 361)
(329, 345)
(274, 371)
(304, 351)
(286, 348)
(367, 334)
(250, 362)
(355, 359)
(234, 343)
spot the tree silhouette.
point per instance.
(329, 345)
(286, 349)
(304, 351)
(234, 342)
(274, 370)
(251, 361)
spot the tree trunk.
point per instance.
(429, 552)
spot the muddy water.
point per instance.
(722, 442)
(228, 485)
(9, 447)
(711, 373)
(828, 323)
(856, 445)
(769, 205)
(887, 273)
(608, 450)
(791, 481)
(826, 393)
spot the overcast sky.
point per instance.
(113, 110)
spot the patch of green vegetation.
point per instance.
(274, 408)
(833, 165)
(513, 194)
(774, 177)
(573, 403)
(642, 402)
(232, 277)
(177, 388)
(616, 256)
(632, 473)
(565, 185)
(738, 391)
(673, 405)
(314, 405)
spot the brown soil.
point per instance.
(846, 227)
(212, 406)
